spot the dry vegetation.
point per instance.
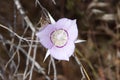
(21, 55)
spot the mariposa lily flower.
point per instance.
(59, 38)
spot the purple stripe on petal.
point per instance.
(62, 53)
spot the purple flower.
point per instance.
(59, 38)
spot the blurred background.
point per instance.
(98, 23)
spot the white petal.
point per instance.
(70, 26)
(47, 54)
(79, 41)
(62, 53)
(44, 36)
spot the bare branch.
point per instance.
(19, 7)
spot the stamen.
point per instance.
(59, 37)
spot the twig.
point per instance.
(17, 64)
(37, 66)
(22, 12)
(54, 2)
(17, 34)
(54, 68)
(46, 13)
(27, 62)
(33, 63)
(81, 69)
(2, 77)
(12, 57)
(17, 50)
(49, 66)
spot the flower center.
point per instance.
(59, 37)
